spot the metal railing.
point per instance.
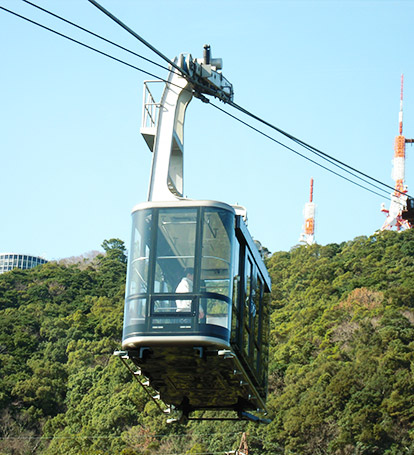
(150, 109)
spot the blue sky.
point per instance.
(73, 163)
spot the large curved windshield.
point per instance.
(180, 250)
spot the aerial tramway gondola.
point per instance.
(196, 316)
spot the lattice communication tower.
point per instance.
(308, 234)
(397, 214)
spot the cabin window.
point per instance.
(256, 315)
(248, 286)
(248, 274)
(258, 301)
(217, 313)
(216, 252)
(134, 316)
(165, 306)
(236, 291)
(135, 311)
(216, 272)
(139, 257)
(264, 340)
(176, 242)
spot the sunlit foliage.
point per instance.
(341, 375)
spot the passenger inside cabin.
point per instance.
(184, 286)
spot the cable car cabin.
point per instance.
(196, 313)
(197, 306)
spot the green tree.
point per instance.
(115, 250)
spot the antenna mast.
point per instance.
(398, 203)
(308, 234)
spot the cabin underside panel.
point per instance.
(192, 378)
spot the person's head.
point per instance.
(189, 273)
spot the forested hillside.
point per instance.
(341, 376)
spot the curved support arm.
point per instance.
(166, 182)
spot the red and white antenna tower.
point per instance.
(399, 197)
(308, 234)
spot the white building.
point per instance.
(10, 261)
